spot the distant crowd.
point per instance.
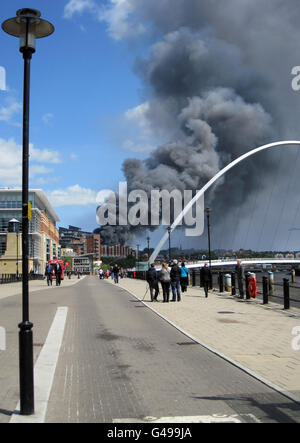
(114, 272)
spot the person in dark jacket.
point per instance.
(58, 272)
(152, 279)
(48, 274)
(205, 276)
(175, 274)
(115, 272)
(240, 274)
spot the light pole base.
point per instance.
(26, 369)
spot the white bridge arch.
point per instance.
(210, 183)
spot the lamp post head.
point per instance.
(13, 225)
(207, 211)
(169, 230)
(28, 26)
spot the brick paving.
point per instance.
(258, 337)
(10, 289)
(120, 362)
(43, 304)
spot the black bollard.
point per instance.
(193, 278)
(233, 288)
(247, 288)
(286, 293)
(265, 290)
(221, 282)
(201, 279)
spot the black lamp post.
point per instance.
(13, 226)
(207, 212)
(27, 26)
(148, 243)
(137, 256)
(169, 232)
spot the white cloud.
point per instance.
(138, 115)
(10, 110)
(2, 79)
(79, 6)
(140, 136)
(45, 181)
(73, 156)
(11, 162)
(35, 170)
(47, 118)
(129, 145)
(44, 155)
(118, 15)
(72, 196)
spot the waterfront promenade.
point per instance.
(104, 355)
(10, 289)
(256, 337)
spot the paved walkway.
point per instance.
(10, 289)
(259, 338)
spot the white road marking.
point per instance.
(214, 418)
(44, 370)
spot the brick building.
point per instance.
(43, 234)
(80, 241)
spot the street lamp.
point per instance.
(148, 242)
(137, 256)
(207, 212)
(28, 26)
(169, 232)
(13, 226)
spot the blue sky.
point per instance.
(82, 85)
(91, 108)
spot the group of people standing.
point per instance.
(174, 278)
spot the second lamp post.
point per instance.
(207, 212)
(169, 232)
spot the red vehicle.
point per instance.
(53, 263)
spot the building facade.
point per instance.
(83, 264)
(80, 242)
(117, 251)
(43, 234)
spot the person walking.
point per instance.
(184, 277)
(152, 279)
(205, 277)
(175, 274)
(48, 274)
(116, 273)
(164, 278)
(101, 273)
(240, 274)
(58, 272)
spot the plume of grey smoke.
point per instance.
(215, 86)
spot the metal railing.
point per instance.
(265, 286)
(14, 278)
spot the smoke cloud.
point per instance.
(217, 82)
